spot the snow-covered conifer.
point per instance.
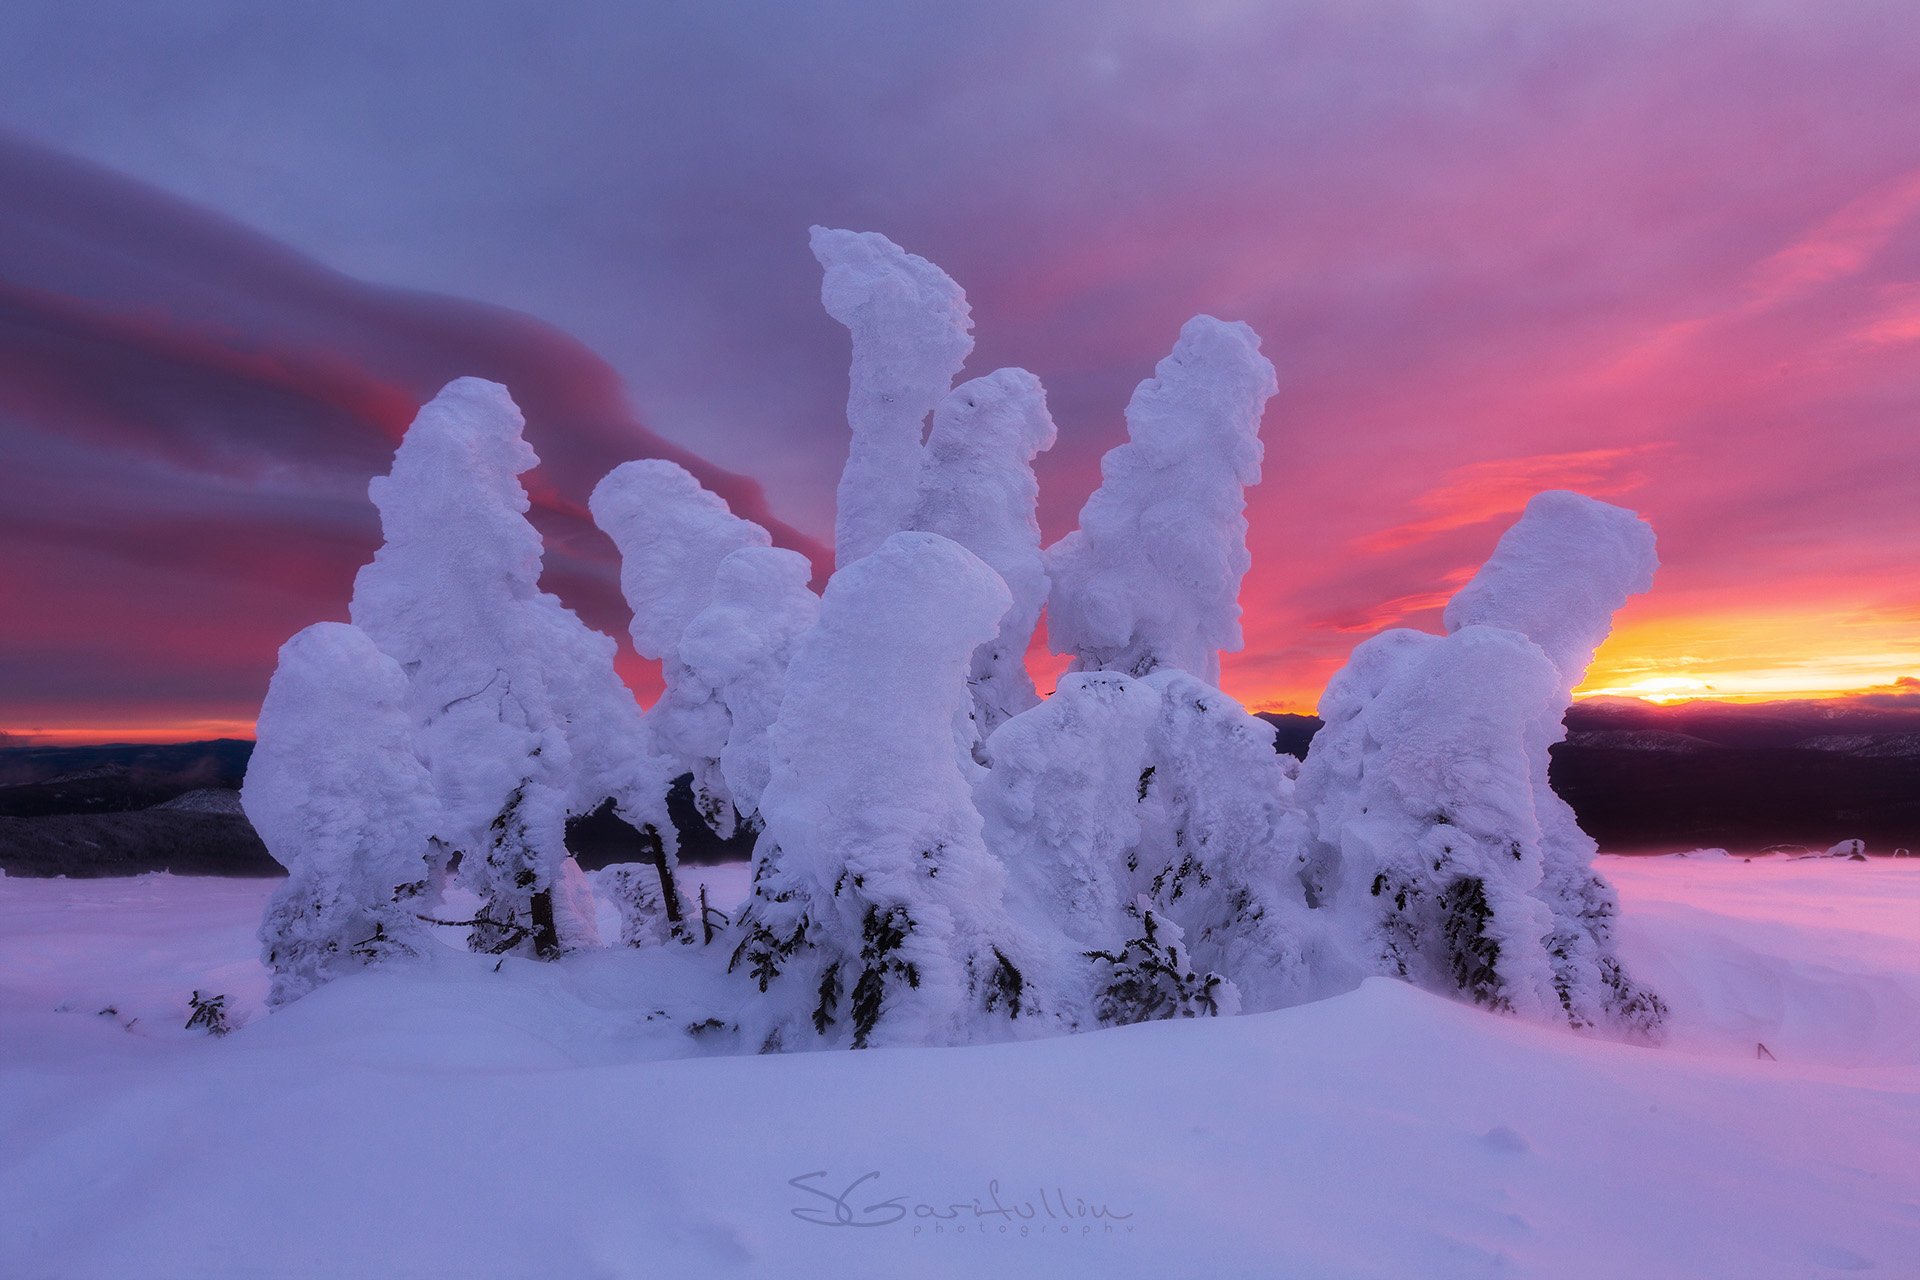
(1432, 826)
(1117, 792)
(1151, 578)
(977, 488)
(877, 913)
(674, 537)
(1558, 576)
(504, 681)
(339, 800)
(1439, 835)
(1223, 844)
(739, 648)
(912, 332)
(1062, 799)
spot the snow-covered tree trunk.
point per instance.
(1151, 578)
(340, 801)
(912, 332)
(877, 913)
(977, 488)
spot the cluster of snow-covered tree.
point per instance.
(942, 855)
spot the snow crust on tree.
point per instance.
(1224, 843)
(1437, 844)
(1439, 835)
(739, 648)
(517, 710)
(877, 914)
(341, 802)
(720, 607)
(912, 333)
(1558, 576)
(672, 533)
(977, 487)
(1151, 578)
(1151, 824)
(1062, 801)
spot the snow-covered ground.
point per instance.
(551, 1121)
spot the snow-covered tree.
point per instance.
(977, 488)
(1423, 792)
(1223, 843)
(517, 711)
(740, 646)
(877, 913)
(673, 535)
(1151, 578)
(339, 800)
(912, 332)
(1439, 836)
(1152, 824)
(1062, 798)
(1557, 577)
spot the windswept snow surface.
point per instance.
(552, 1120)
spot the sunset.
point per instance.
(828, 639)
(1686, 284)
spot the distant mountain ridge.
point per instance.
(1740, 776)
(1641, 777)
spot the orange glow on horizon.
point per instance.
(88, 735)
(1744, 657)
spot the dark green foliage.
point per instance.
(881, 935)
(829, 998)
(1151, 977)
(773, 926)
(1005, 985)
(1634, 1006)
(209, 1014)
(495, 930)
(1473, 955)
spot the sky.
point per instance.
(1666, 254)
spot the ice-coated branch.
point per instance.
(1151, 578)
(912, 332)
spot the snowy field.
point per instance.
(549, 1121)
